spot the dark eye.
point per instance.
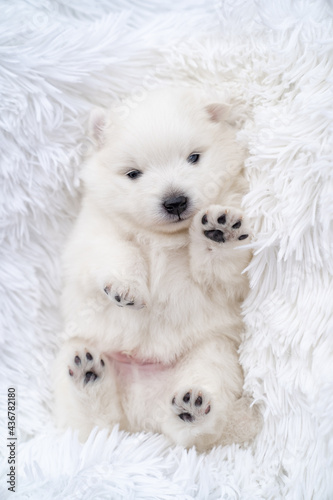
(193, 158)
(134, 174)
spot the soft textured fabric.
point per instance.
(274, 61)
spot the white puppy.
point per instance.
(153, 277)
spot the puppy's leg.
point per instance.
(100, 264)
(85, 389)
(113, 272)
(217, 235)
(206, 405)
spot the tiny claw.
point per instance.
(207, 410)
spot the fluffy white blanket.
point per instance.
(274, 59)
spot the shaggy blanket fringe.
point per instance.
(273, 61)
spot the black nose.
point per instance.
(175, 204)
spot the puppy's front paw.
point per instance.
(86, 367)
(192, 405)
(124, 295)
(223, 224)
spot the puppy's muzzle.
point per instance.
(175, 205)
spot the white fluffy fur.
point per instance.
(142, 281)
(274, 60)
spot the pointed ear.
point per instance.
(223, 113)
(97, 125)
(217, 112)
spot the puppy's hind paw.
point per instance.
(85, 367)
(191, 406)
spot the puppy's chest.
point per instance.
(177, 303)
(175, 295)
(168, 275)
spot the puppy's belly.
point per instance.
(155, 334)
(143, 388)
(170, 325)
(132, 367)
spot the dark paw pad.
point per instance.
(192, 407)
(215, 235)
(224, 224)
(122, 296)
(90, 377)
(86, 368)
(186, 417)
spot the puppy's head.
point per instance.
(158, 162)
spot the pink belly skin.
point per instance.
(133, 367)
